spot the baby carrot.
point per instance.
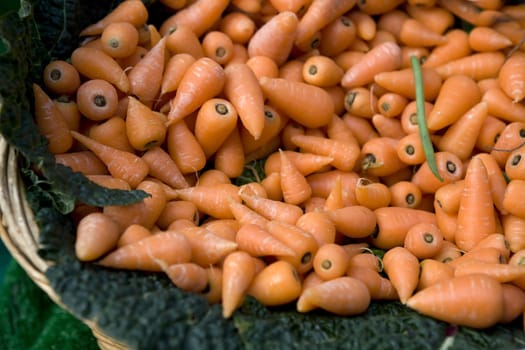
(120, 39)
(275, 38)
(391, 104)
(337, 36)
(212, 200)
(380, 288)
(393, 224)
(379, 157)
(306, 104)
(242, 89)
(484, 39)
(469, 12)
(50, 122)
(162, 167)
(96, 235)
(199, 16)
(206, 247)
(294, 186)
(184, 149)
(330, 261)
(363, 225)
(134, 12)
(218, 46)
(365, 24)
(276, 284)
(472, 300)
(181, 39)
(258, 242)
(405, 194)
(489, 133)
(342, 296)
(202, 80)
(510, 77)
(436, 18)
(513, 229)
(388, 127)
(449, 167)
(152, 253)
(478, 66)
(215, 120)
(306, 163)
(403, 82)
(454, 48)
(410, 149)
(85, 162)
(511, 198)
(188, 276)
(263, 66)
(145, 128)
(175, 210)
(111, 132)
(120, 164)
(510, 138)
(319, 225)
(322, 71)
(402, 268)
(372, 194)
(415, 33)
(238, 272)
(513, 302)
(133, 233)
(230, 157)
(361, 102)
(382, 58)
(424, 240)
(97, 99)
(433, 271)
(96, 64)
(503, 273)
(238, 26)
(476, 212)
(61, 77)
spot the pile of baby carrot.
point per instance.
(359, 152)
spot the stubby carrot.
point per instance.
(97, 234)
(402, 268)
(238, 272)
(277, 284)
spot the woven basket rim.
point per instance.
(20, 235)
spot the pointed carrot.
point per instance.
(294, 186)
(238, 271)
(212, 200)
(503, 273)
(133, 233)
(483, 39)
(188, 276)
(510, 76)
(121, 164)
(306, 163)
(230, 157)
(382, 58)
(432, 272)
(202, 80)
(184, 148)
(145, 77)
(245, 215)
(134, 12)
(478, 66)
(415, 33)
(256, 241)
(242, 89)
(476, 212)
(454, 48)
(96, 235)
(402, 268)
(335, 199)
(151, 253)
(162, 167)
(51, 122)
(308, 105)
(145, 128)
(403, 82)
(96, 64)
(363, 224)
(206, 247)
(272, 209)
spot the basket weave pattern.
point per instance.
(19, 232)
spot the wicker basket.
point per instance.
(19, 233)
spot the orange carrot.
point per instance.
(455, 48)
(61, 77)
(342, 296)
(238, 26)
(307, 104)
(393, 224)
(434, 17)
(380, 288)
(277, 284)
(162, 167)
(199, 16)
(501, 106)
(322, 71)
(337, 36)
(188, 276)
(181, 39)
(402, 268)
(360, 101)
(85, 162)
(449, 167)
(212, 200)
(511, 198)
(484, 39)
(96, 235)
(424, 240)
(318, 15)
(503, 273)
(415, 33)
(306, 163)
(489, 133)
(120, 164)
(152, 253)
(330, 261)
(402, 82)
(97, 99)
(382, 58)
(372, 194)
(513, 230)
(365, 24)
(319, 225)
(96, 64)
(477, 301)
(133, 233)
(469, 12)
(202, 80)
(433, 271)
(120, 39)
(134, 12)
(478, 66)
(388, 127)
(238, 272)
(184, 149)
(145, 128)
(50, 122)
(207, 248)
(275, 38)
(175, 210)
(363, 225)
(263, 66)
(230, 157)
(405, 194)
(257, 241)
(378, 157)
(510, 76)
(513, 302)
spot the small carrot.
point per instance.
(388, 127)
(415, 33)
(456, 47)
(393, 224)
(162, 167)
(472, 65)
(380, 288)
(238, 272)
(50, 122)
(218, 46)
(238, 26)
(215, 120)
(449, 167)
(402, 268)
(263, 66)
(188, 276)
(151, 253)
(111, 132)
(405, 194)
(403, 82)
(410, 149)
(392, 21)
(372, 194)
(489, 133)
(257, 241)
(121, 164)
(366, 26)
(181, 39)
(300, 241)
(97, 99)
(317, 15)
(96, 64)
(514, 164)
(361, 128)
(323, 183)
(202, 80)
(199, 16)
(85, 162)
(476, 211)
(322, 71)
(382, 58)
(391, 104)
(511, 198)
(277, 284)
(336, 36)
(330, 261)
(275, 38)
(448, 196)
(306, 104)
(336, 197)
(69, 109)
(459, 88)
(96, 235)
(433, 271)
(510, 138)
(206, 247)
(230, 157)
(175, 210)
(211, 200)
(460, 137)
(184, 149)
(436, 18)
(342, 296)
(424, 240)
(513, 231)
(134, 12)
(319, 225)
(120, 39)
(294, 186)
(306, 163)
(242, 90)
(484, 39)
(61, 77)
(358, 228)
(510, 78)
(513, 302)
(477, 301)
(379, 157)
(496, 240)
(133, 233)
(469, 12)
(503, 273)
(145, 128)
(361, 102)
(174, 70)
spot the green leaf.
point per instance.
(29, 320)
(421, 118)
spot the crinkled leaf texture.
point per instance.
(144, 310)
